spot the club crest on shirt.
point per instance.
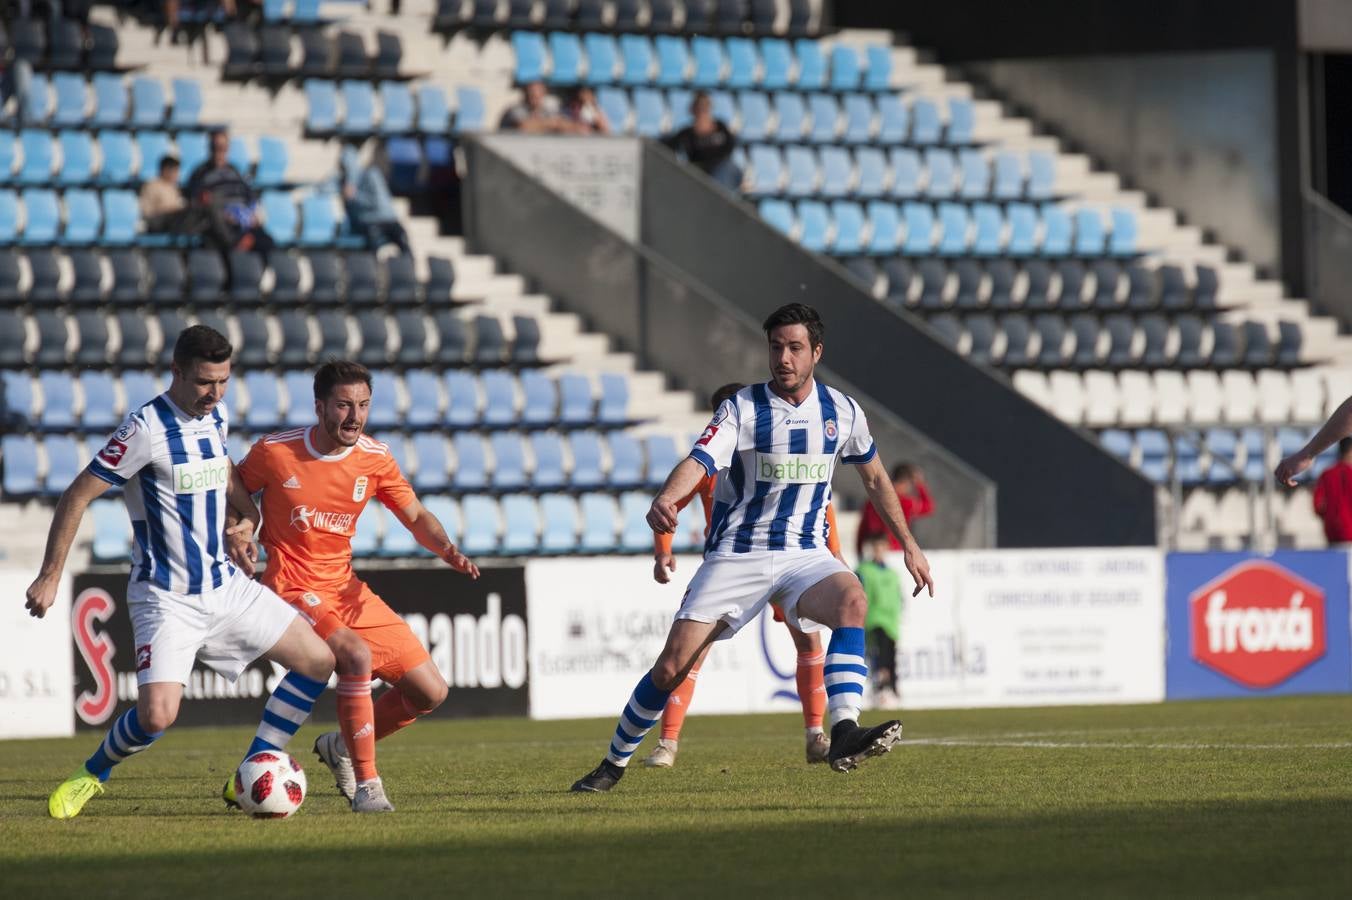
(309, 599)
(719, 414)
(359, 489)
(830, 428)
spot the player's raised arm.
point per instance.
(879, 487)
(65, 524)
(663, 513)
(1335, 429)
(428, 531)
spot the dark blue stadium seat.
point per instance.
(559, 531)
(471, 467)
(91, 327)
(12, 339)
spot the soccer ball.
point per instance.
(269, 785)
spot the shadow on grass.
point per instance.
(1228, 848)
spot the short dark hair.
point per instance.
(726, 392)
(215, 130)
(340, 371)
(167, 163)
(201, 342)
(698, 96)
(903, 470)
(1345, 446)
(797, 314)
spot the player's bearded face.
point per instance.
(343, 415)
(792, 357)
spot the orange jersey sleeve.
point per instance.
(252, 468)
(832, 536)
(705, 491)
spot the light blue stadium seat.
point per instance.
(613, 408)
(1023, 223)
(547, 449)
(565, 51)
(359, 108)
(521, 524)
(878, 76)
(482, 523)
(193, 150)
(118, 167)
(434, 113)
(447, 512)
(792, 112)
(279, 217)
(955, 223)
(1057, 232)
(588, 471)
(300, 394)
(63, 463)
(635, 534)
(37, 101)
(1124, 233)
(470, 109)
(975, 174)
(58, 401)
(576, 403)
(919, 220)
(110, 101)
(779, 215)
(18, 400)
(599, 516)
(141, 387)
(614, 102)
(509, 460)
(499, 389)
(884, 224)
(424, 399)
(367, 531)
(1090, 235)
(661, 457)
(846, 70)
(397, 446)
(989, 226)
(398, 542)
(20, 455)
(816, 225)
(154, 146)
(1187, 460)
(305, 12)
(42, 215)
(273, 160)
(940, 165)
(396, 108)
(9, 216)
(678, 105)
(274, 10)
(871, 166)
(803, 171)
(70, 99)
(811, 65)
(1154, 447)
(237, 445)
(710, 63)
(767, 170)
(723, 106)
(462, 399)
(1222, 445)
(471, 461)
(187, 109)
(637, 54)
(9, 156)
(77, 158)
(906, 167)
(434, 464)
(112, 531)
(540, 399)
(673, 60)
(859, 113)
(529, 48)
(385, 411)
(318, 220)
(742, 62)
(626, 460)
(1041, 175)
(603, 58)
(36, 167)
(1117, 442)
(961, 121)
(121, 212)
(894, 120)
(147, 102)
(560, 515)
(321, 106)
(100, 412)
(755, 112)
(649, 112)
(926, 124)
(848, 217)
(776, 63)
(1008, 184)
(689, 536)
(825, 113)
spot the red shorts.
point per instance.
(395, 650)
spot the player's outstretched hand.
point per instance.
(1293, 465)
(918, 566)
(663, 565)
(240, 546)
(662, 516)
(461, 563)
(41, 595)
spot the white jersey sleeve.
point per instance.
(859, 447)
(126, 452)
(718, 442)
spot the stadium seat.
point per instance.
(906, 170)
(547, 449)
(529, 50)
(187, 104)
(613, 408)
(500, 405)
(20, 454)
(462, 399)
(69, 109)
(280, 218)
(709, 62)
(961, 121)
(837, 172)
(447, 512)
(826, 118)
(521, 524)
(110, 101)
(58, 401)
(778, 214)
(63, 463)
(815, 222)
(1090, 236)
(587, 469)
(147, 103)
(112, 531)
(482, 524)
(44, 269)
(802, 171)
(299, 387)
(637, 60)
(434, 466)
(673, 61)
(1058, 233)
(812, 66)
(1041, 175)
(575, 398)
(848, 222)
(121, 212)
(599, 515)
(12, 339)
(872, 175)
(942, 170)
(920, 227)
(626, 460)
(884, 225)
(846, 69)
(791, 110)
(559, 532)
(859, 117)
(649, 113)
(359, 108)
(471, 467)
(368, 531)
(396, 108)
(321, 104)
(37, 147)
(319, 220)
(84, 217)
(635, 534)
(91, 326)
(470, 109)
(565, 53)
(926, 123)
(540, 398)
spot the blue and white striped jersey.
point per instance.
(175, 471)
(779, 459)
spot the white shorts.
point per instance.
(735, 587)
(226, 629)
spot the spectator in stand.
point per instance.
(585, 113)
(162, 204)
(916, 503)
(537, 113)
(226, 201)
(882, 624)
(707, 143)
(1333, 497)
(370, 208)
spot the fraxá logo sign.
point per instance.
(1257, 624)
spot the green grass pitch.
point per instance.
(1235, 798)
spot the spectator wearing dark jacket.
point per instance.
(225, 196)
(707, 143)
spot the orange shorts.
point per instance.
(395, 650)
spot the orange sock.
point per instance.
(356, 718)
(811, 687)
(673, 714)
(393, 711)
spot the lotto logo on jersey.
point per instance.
(305, 518)
(143, 657)
(707, 436)
(202, 475)
(793, 468)
(1257, 624)
(113, 452)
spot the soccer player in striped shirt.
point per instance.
(779, 443)
(185, 599)
(811, 659)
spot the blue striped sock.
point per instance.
(124, 739)
(286, 710)
(643, 711)
(845, 675)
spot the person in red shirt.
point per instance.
(916, 503)
(1333, 496)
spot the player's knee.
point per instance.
(434, 698)
(156, 715)
(319, 661)
(350, 653)
(853, 608)
(666, 675)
